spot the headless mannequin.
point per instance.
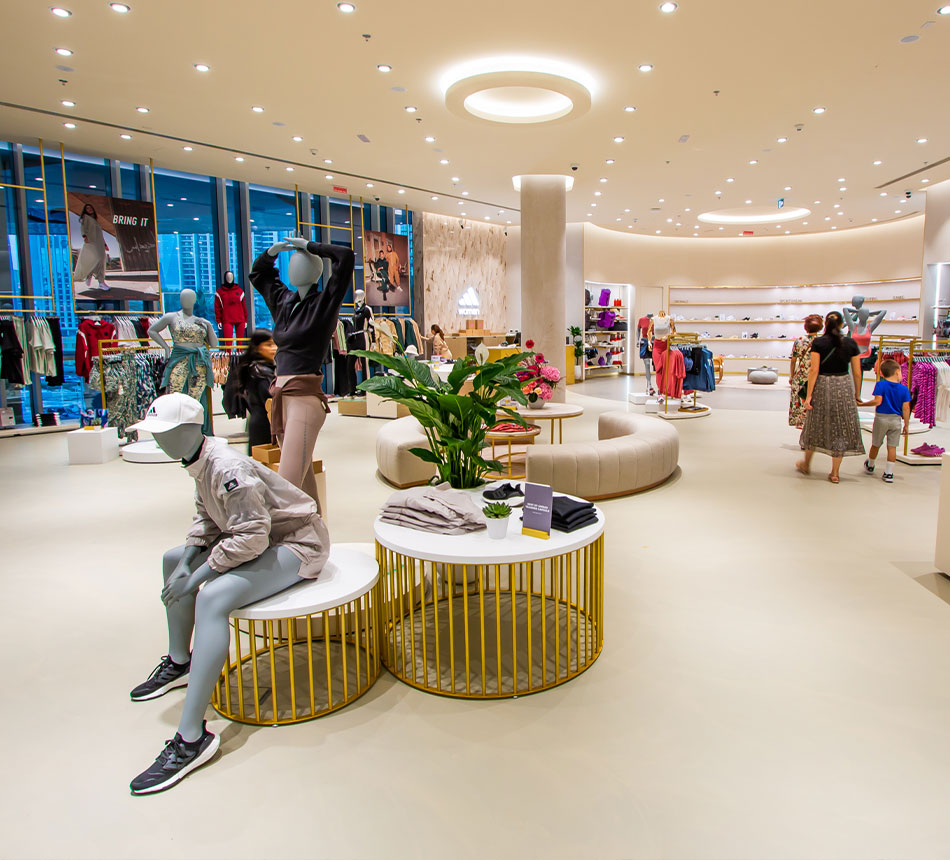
(205, 613)
(189, 365)
(861, 323)
(229, 309)
(666, 328)
(647, 362)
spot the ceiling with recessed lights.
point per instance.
(700, 107)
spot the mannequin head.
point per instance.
(857, 301)
(661, 314)
(180, 442)
(229, 277)
(304, 269)
(359, 296)
(188, 299)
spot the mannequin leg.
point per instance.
(351, 361)
(227, 331)
(180, 615)
(646, 366)
(239, 329)
(303, 419)
(273, 571)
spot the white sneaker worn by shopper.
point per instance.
(869, 467)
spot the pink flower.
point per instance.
(529, 344)
(528, 387)
(539, 358)
(545, 391)
(550, 373)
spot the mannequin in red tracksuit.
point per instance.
(229, 308)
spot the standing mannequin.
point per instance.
(861, 323)
(661, 327)
(92, 257)
(303, 324)
(189, 360)
(253, 535)
(643, 342)
(230, 312)
(360, 337)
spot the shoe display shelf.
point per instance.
(612, 345)
(774, 311)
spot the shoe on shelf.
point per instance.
(165, 676)
(508, 493)
(888, 478)
(868, 467)
(176, 761)
(746, 319)
(754, 335)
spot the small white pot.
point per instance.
(497, 528)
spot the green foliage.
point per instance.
(497, 511)
(577, 338)
(454, 424)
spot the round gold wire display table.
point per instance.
(306, 651)
(468, 616)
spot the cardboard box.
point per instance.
(470, 324)
(351, 406)
(317, 466)
(266, 454)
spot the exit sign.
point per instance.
(339, 189)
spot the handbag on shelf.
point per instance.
(607, 319)
(604, 297)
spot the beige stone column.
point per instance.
(543, 264)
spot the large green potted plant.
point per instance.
(455, 424)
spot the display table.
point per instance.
(92, 445)
(551, 412)
(472, 617)
(522, 436)
(942, 555)
(316, 648)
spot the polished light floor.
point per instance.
(774, 682)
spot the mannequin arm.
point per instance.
(154, 332)
(249, 521)
(218, 310)
(850, 317)
(212, 337)
(876, 320)
(263, 276)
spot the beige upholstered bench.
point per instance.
(632, 453)
(395, 463)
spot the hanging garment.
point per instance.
(923, 392)
(42, 349)
(189, 365)
(385, 336)
(58, 376)
(88, 336)
(11, 354)
(23, 336)
(670, 381)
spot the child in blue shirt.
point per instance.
(892, 400)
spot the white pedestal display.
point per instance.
(942, 556)
(88, 446)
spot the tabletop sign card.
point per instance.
(538, 505)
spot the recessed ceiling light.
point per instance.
(781, 140)
(64, 52)
(126, 136)
(788, 187)
(842, 188)
(818, 110)
(239, 158)
(610, 161)
(603, 178)
(92, 186)
(289, 169)
(434, 197)
(369, 184)
(787, 232)
(187, 148)
(297, 138)
(921, 140)
(455, 179)
(695, 234)
(669, 220)
(170, 204)
(183, 199)
(944, 10)
(460, 202)
(488, 217)
(717, 192)
(629, 109)
(597, 194)
(590, 214)
(463, 213)
(659, 231)
(841, 212)
(804, 223)
(443, 161)
(60, 12)
(430, 139)
(827, 217)
(626, 210)
(195, 218)
(722, 228)
(384, 67)
(876, 163)
(753, 161)
(883, 194)
(668, 8)
(411, 108)
(730, 179)
(816, 202)
(465, 194)
(618, 139)
(837, 206)
(748, 201)
(619, 219)
(346, 8)
(328, 161)
(328, 176)
(645, 67)
(834, 227)
(67, 103)
(257, 109)
(897, 211)
(121, 8)
(142, 109)
(69, 124)
(202, 67)
(594, 205)
(925, 180)
(842, 179)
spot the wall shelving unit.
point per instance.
(608, 341)
(781, 310)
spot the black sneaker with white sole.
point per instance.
(165, 676)
(869, 467)
(888, 478)
(176, 761)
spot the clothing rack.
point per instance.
(674, 339)
(924, 350)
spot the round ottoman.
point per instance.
(762, 375)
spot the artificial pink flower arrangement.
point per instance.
(538, 379)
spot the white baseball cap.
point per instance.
(170, 411)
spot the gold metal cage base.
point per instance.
(491, 631)
(291, 670)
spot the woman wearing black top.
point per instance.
(256, 373)
(832, 398)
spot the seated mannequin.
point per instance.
(254, 534)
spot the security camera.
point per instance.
(799, 127)
(313, 152)
(575, 167)
(908, 194)
(376, 199)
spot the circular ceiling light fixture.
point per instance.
(668, 8)
(876, 163)
(430, 139)
(126, 136)
(645, 67)
(609, 161)
(411, 108)
(819, 110)
(121, 8)
(346, 8)
(943, 10)
(68, 103)
(64, 52)
(202, 67)
(618, 139)
(257, 109)
(754, 215)
(69, 125)
(921, 140)
(142, 109)
(517, 90)
(239, 158)
(187, 148)
(629, 109)
(384, 67)
(297, 138)
(60, 12)
(781, 140)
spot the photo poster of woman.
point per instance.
(113, 249)
(386, 269)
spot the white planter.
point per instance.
(538, 403)
(497, 528)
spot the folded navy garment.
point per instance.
(574, 526)
(562, 506)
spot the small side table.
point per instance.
(551, 412)
(513, 437)
(92, 445)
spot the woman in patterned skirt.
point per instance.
(834, 393)
(798, 372)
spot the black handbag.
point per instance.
(803, 391)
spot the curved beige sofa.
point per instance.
(393, 459)
(632, 453)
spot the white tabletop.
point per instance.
(479, 548)
(551, 411)
(349, 573)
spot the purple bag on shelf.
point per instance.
(604, 297)
(607, 319)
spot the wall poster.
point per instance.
(386, 269)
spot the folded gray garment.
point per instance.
(439, 504)
(425, 526)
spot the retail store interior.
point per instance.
(454, 375)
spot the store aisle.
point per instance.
(773, 684)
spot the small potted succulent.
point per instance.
(496, 515)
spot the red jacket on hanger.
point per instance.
(88, 335)
(229, 307)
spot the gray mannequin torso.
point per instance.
(859, 319)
